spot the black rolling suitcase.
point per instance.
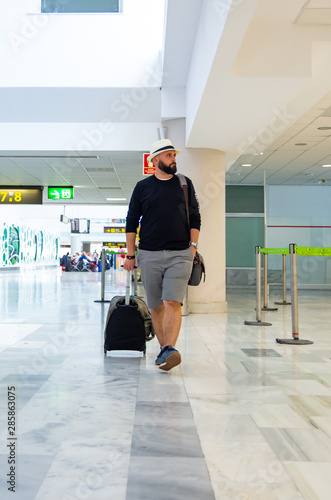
(128, 323)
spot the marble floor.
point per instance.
(242, 417)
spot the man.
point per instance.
(167, 245)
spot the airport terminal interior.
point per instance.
(243, 89)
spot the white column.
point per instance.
(76, 243)
(205, 167)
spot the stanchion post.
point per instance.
(294, 292)
(294, 299)
(103, 273)
(265, 280)
(265, 285)
(258, 283)
(258, 321)
(284, 278)
(284, 303)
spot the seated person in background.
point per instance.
(75, 258)
(94, 262)
(107, 261)
(64, 259)
(69, 266)
(84, 257)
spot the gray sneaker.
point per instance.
(169, 358)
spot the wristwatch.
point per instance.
(193, 244)
(130, 257)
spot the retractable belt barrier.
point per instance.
(313, 251)
(292, 251)
(258, 321)
(294, 292)
(265, 252)
(275, 251)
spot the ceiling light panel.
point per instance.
(101, 162)
(104, 178)
(99, 169)
(112, 193)
(63, 163)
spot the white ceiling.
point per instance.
(114, 173)
(95, 176)
(271, 58)
(295, 157)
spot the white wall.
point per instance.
(75, 137)
(79, 50)
(301, 214)
(207, 39)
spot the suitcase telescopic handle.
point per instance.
(128, 287)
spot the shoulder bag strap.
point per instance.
(183, 184)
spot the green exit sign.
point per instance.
(60, 193)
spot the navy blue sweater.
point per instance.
(159, 205)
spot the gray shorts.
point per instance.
(165, 274)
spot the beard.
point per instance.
(168, 169)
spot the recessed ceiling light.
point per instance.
(116, 199)
(325, 166)
(246, 165)
(301, 144)
(309, 175)
(324, 128)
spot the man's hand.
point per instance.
(129, 264)
(194, 251)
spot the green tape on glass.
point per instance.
(276, 251)
(312, 251)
